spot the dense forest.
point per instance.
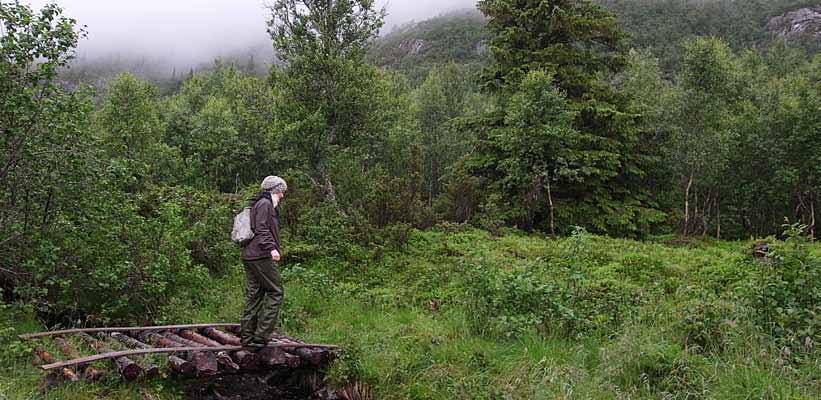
(554, 173)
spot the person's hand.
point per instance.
(275, 255)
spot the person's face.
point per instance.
(280, 196)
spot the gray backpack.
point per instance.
(243, 231)
(244, 228)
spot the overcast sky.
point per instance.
(194, 31)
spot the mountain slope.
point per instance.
(658, 25)
(415, 48)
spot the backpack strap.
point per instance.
(253, 218)
(253, 214)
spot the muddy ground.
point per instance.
(267, 385)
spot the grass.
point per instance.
(421, 323)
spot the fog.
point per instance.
(190, 32)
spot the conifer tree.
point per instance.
(579, 44)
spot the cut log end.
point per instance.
(152, 371)
(69, 375)
(206, 363)
(272, 357)
(128, 369)
(92, 374)
(247, 360)
(181, 367)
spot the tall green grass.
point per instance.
(462, 314)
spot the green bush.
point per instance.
(647, 362)
(785, 289)
(513, 301)
(709, 323)
(9, 315)
(115, 262)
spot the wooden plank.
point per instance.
(28, 336)
(136, 352)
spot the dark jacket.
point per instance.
(266, 230)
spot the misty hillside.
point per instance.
(98, 71)
(658, 25)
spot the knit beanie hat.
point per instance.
(274, 184)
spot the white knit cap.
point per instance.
(274, 184)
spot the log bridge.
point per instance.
(190, 350)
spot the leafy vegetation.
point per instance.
(455, 312)
(418, 200)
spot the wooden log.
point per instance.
(65, 372)
(127, 353)
(180, 365)
(222, 337)
(247, 360)
(90, 373)
(293, 361)
(127, 368)
(314, 356)
(180, 340)
(272, 357)
(28, 336)
(150, 370)
(155, 338)
(176, 364)
(223, 358)
(36, 360)
(196, 337)
(205, 363)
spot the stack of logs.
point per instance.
(283, 352)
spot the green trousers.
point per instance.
(263, 297)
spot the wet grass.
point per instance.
(409, 332)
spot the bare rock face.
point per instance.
(413, 47)
(794, 25)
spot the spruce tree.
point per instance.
(580, 44)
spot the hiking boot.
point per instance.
(255, 345)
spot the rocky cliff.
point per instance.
(804, 23)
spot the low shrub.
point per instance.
(514, 301)
(708, 323)
(115, 263)
(645, 361)
(785, 290)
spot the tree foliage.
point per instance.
(115, 207)
(326, 85)
(580, 44)
(44, 132)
